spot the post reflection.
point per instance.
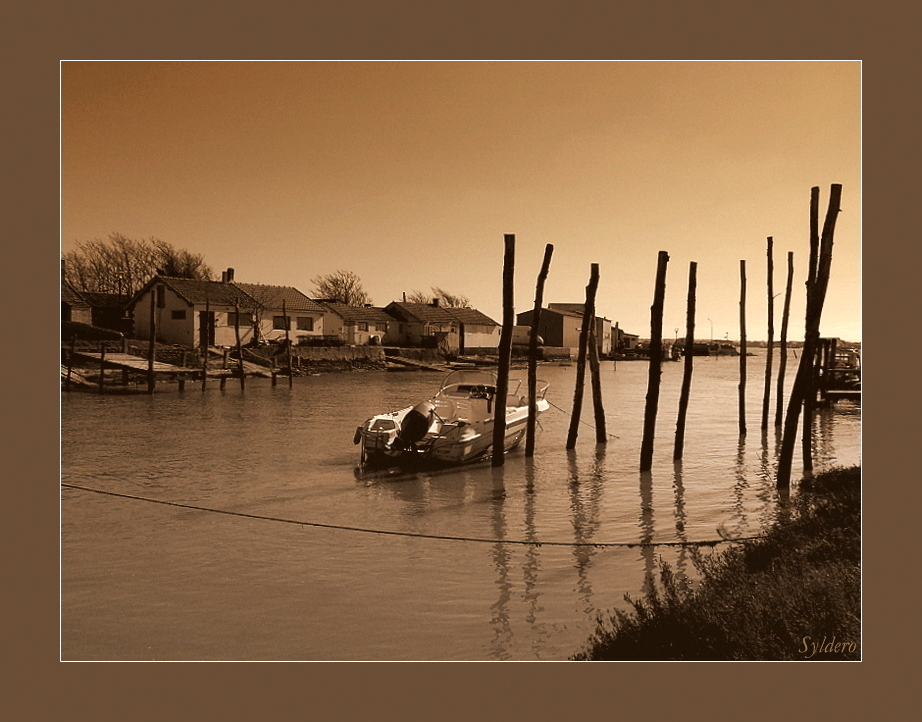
(532, 566)
(500, 554)
(584, 510)
(742, 483)
(648, 552)
(679, 489)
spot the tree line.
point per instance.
(123, 265)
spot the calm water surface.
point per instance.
(149, 581)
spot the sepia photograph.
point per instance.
(460, 361)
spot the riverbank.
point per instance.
(795, 594)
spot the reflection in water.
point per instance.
(742, 484)
(531, 566)
(679, 488)
(499, 621)
(646, 528)
(585, 510)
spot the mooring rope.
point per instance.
(582, 421)
(363, 530)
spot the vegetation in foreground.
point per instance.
(793, 595)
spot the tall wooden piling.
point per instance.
(601, 434)
(205, 334)
(102, 366)
(816, 296)
(783, 341)
(530, 424)
(70, 362)
(287, 344)
(505, 352)
(770, 343)
(689, 356)
(239, 347)
(588, 321)
(153, 336)
(742, 384)
(656, 359)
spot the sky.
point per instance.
(409, 174)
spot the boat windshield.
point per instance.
(466, 383)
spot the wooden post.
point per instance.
(656, 359)
(287, 343)
(601, 436)
(205, 335)
(70, 361)
(581, 356)
(153, 336)
(505, 353)
(770, 346)
(816, 296)
(783, 361)
(689, 356)
(272, 371)
(530, 424)
(184, 354)
(742, 384)
(102, 365)
(239, 348)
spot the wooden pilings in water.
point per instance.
(816, 296)
(239, 348)
(505, 352)
(601, 435)
(152, 349)
(770, 345)
(205, 335)
(588, 322)
(656, 358)
(530, 424)
(783, 341)
(689, 356)
(742, 383)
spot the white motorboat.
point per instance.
(453, 427)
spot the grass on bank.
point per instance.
(793, 595)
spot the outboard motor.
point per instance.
(415, 425)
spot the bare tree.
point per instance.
(341, 286)
(443, 297)
(123, 265)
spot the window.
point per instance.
(245, 319)
(281, 323)
(178, 315)
(363, 325)
(305, 323)
(381, 327)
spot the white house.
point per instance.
(190, 312)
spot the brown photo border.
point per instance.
(41, 34)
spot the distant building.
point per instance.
(560, 325)
(453, 330)
(356, 325)
(191, 312)
(74, 307)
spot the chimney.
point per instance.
(223, 276)
(229, 275)
(435, 303)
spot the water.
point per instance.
(148, 581)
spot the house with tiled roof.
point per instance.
(453, 330)
(74, 307)
(355, 325)
(192, 312)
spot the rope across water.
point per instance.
(387, 532)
